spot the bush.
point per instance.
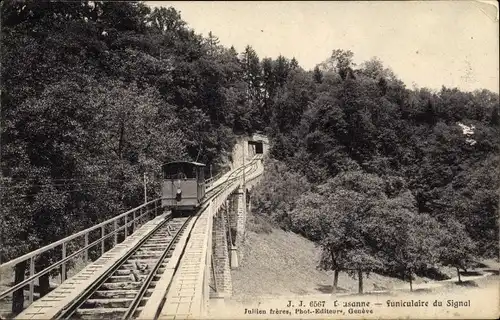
(259, 224)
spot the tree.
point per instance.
(166, 20)
(457, 248)
(318, 75)
(339, 62)
(366, 121)
(281, 70)
(471, 200)
(269, 85)
(252, 76)
(277, 197)
(334, 218)
(123, 18)
(495, 118)
(212, 43)
(343, 61)
(421, 250)
(252, 73)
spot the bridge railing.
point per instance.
(252, 162)
(120, 226)
(123, 225)
(253, 170)
(211, 180)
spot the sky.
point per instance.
(426, 43)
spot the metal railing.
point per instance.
(123, 223)
(210, 180)
(253, 170)
(128, 222)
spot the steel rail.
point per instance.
(147, 282)
(79, 301)
(68, 258)
(73, 307)
(252, 162)
(31, 255)
(206, 203)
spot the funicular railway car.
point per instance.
(183, 186)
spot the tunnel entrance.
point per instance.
(258, 146)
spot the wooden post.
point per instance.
(145, 189)
(32, 283)
(244, 182)
(87, 249)
(115, 237)
(135, 224)
(126, 223)
(63, 267)
(18, 295)
(103, 231)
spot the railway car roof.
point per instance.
(198, 164)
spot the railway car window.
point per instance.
(169, 172)
(190, 171)
(172, 172)
(180, 171)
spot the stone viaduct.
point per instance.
(229, 222)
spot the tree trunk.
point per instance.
(336, 273)
(18, 296)
(411, 283)
(360, 281)
(44, 284)
(458, 273)
(43, 281)
(335, 281)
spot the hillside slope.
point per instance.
(279, 263)
(276, 263)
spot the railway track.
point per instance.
(126, 288)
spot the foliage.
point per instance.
(96, 93)
(437, 184)
(275, 196)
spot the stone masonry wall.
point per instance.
(221, 256)
(241, 216)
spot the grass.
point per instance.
(279, 263)
(258, 224)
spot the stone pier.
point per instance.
(220, 253)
